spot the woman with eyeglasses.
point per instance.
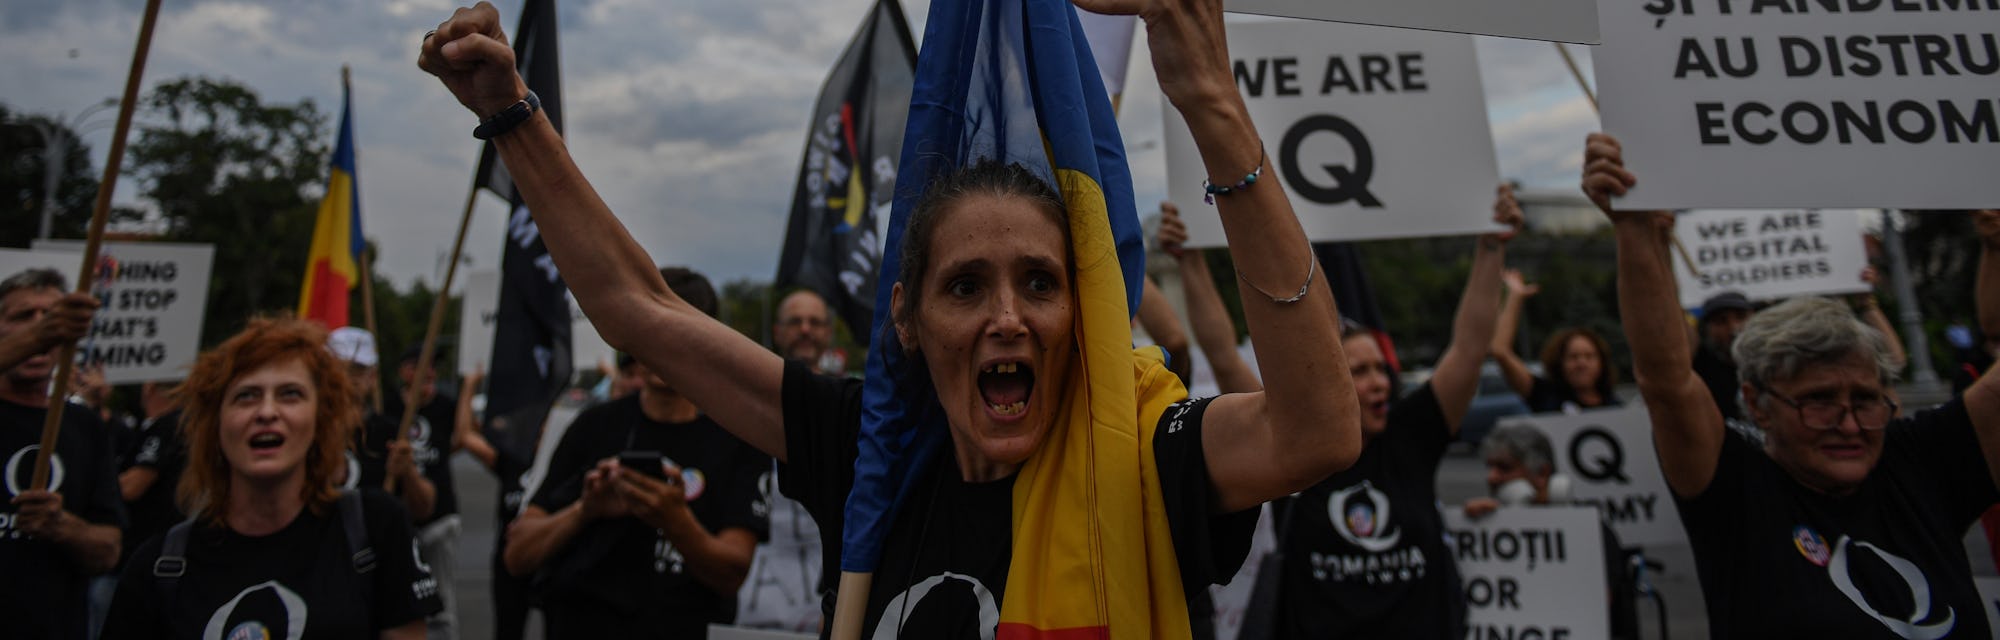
(1845, 520)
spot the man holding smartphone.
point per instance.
(649, 517)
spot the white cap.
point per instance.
(353, 344)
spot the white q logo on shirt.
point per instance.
(295, 615)
(1365, 524)
(15, 482)
(890, 627)
(1920, 592)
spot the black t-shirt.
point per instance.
(1548, 395)
(41, 587)
(1779, 560)
(951, 541)
(159, 448)
(299, 582)
(620, 577)
(430, 444)
(1720, 376)
(1364, 550)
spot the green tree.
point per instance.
(226, 168)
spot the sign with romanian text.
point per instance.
(1532, 572)
(1804, 103)
(1563, 20)
(1769, 254)
(154, 296)
(1608, 455)
(1372, 132)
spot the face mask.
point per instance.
(1559, 488)
(1516, 492)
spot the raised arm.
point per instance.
(1456, 379)
(1305, 425)
(1982, 401)
(1687, 426)
(1871, 313)
(1512, 368)
(1156, 315)
(1214, 332)
(616, 283)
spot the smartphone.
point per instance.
(646, 462)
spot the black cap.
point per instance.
(1725, 301)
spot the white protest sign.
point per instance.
(1989, 597)
(479, 306)
(1373, 132)
(479, 309)
(1608, 455)
(782, 590)
(1803, 103)
(149, 327)
(1564, 20)
(1532, 572)
(1769, 254)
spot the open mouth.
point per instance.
(1006, 386)
(264, 442)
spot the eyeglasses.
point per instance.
(804, 322)
(1870, 412)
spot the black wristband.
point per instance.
(508, 118)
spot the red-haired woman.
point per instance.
(272, 549)
(1576, 362)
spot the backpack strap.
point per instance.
(356, 527)
(172, 563)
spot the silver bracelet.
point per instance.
(1312, 268)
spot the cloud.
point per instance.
(688, 117)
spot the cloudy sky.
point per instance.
(688, 115)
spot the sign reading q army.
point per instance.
(1608, 453)
(1373, 132)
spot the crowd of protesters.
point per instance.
(271, 494)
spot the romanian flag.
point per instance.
(334, 263)
(1014, 80)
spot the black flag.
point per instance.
(531, 342)
(848, 177)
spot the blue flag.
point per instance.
(1009, 80)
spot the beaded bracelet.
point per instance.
(1212, 190)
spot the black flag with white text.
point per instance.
(848, 176)
(531, 329)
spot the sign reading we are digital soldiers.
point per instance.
(154, 295)
(1532, 572)
(1608, 455)
(1804, 103)
(1373, 132)
(1769, 254)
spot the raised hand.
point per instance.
(1518, 285)
(1172, 233)
(1604, 176)
(1506, 212)
(1189, 48)
(469, 53)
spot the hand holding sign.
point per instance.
(1987, 223)
(1605, 176)
(68, 321)
(1507, 213)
